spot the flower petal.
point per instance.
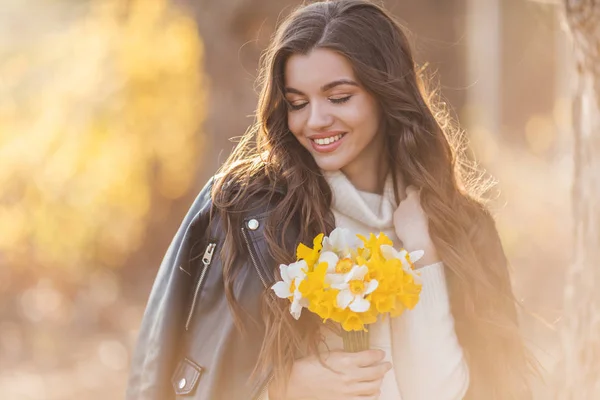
(371, 286)
(343, 241)
(318, 242)
(282, 290)
(415, 275)
(330, 258)
(357, 272)
(344, 298)
(401, 255)
(340, 286)
(335, 279)
(297, 282)
(295, 309)
(283, 270)
(416, 255)
(388, 252)
(336, 238)
(303, 301)
(360, 304)
(297, 270)
(327, 246)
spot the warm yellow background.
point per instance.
(113, 113)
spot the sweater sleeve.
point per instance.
(428, 360)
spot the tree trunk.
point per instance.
(581, 332)
(234, 33)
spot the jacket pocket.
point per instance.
(186, 377)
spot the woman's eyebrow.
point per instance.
(325, 87)
(333, 84)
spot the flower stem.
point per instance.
(355, 341)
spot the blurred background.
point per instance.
(114, 113)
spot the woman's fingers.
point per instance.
(368, 389)
(367, 358)
(374, 372)
(411, 189)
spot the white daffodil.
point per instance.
(337, 268)
(404, 256)
(339, 250)
(292, 275)
(342, 242)
(354, 289)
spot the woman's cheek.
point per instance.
(295, 128)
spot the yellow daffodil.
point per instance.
(408, 294)
(351, 284)
(309, 255)
(314, 285)
(373, 243)
(353, 323)
(407, 259)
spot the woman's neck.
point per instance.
(370, 180)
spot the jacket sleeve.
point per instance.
(157, 345)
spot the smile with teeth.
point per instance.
(329, 140)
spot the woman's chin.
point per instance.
(330, 166)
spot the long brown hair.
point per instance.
(423, 147)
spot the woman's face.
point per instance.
(331, 115)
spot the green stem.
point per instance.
(355, 341)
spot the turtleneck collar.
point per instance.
(370, 209)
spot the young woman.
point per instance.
(345, 136)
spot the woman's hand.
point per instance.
(352, 376)
(412, 227)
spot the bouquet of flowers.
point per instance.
(350, 279)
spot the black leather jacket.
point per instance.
(188, 345)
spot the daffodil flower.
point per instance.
(339, 251)
(342, 242)
(337, 268)
(292, 275)
(310, 255)
(407, 259)
(354, 289)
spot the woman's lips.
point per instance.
(327, 148)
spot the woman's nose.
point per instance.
(319, 117)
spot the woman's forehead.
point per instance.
(310, 72)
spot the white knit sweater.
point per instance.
(428, 362)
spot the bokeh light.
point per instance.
(101, 112)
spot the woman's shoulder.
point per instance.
(224, 194)
(233, 187)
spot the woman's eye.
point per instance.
(334, 100)
(296, 106)
(340, 100)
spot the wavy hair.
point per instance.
(424, 147)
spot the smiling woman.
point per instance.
(335, 118)
(345, 137)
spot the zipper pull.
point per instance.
(206, 259)
(208, 254)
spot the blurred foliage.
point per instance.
(97, 120)
(101, 109)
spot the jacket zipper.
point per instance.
(206, 260)
(263, 390)
(260, 275)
